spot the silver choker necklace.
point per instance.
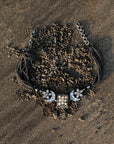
(59, 79)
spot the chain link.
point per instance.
(35, 31)
(79, 27)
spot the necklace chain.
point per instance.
(83, 36)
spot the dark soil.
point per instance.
(54, 62)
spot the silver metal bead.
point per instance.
(88, 87)
(36, 90)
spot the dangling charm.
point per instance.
(75, 95)
(49, 96)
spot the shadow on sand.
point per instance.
(104, 47)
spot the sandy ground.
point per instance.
(23, 122)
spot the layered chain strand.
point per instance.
(83, 36)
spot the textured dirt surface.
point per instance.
(24, 122)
